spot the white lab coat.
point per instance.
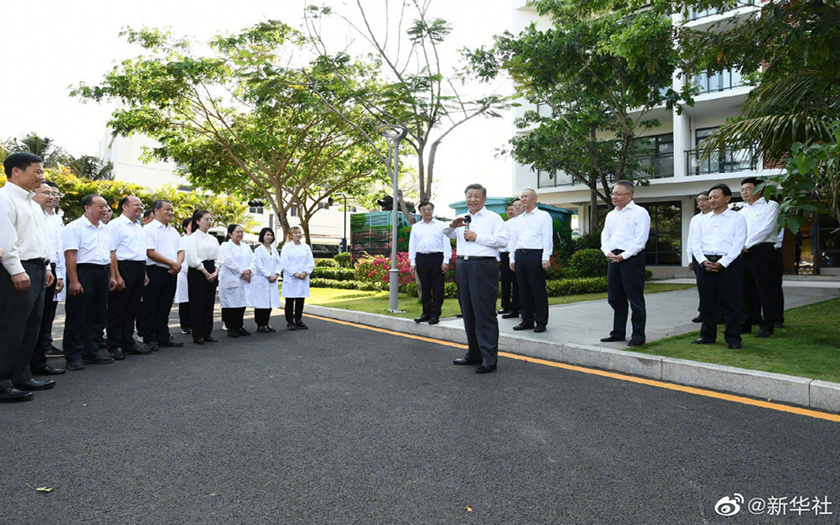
(296, 258)
(182, 289)
(261, 293)
(232, 287)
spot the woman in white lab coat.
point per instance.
(234, 279)
(264, 294)
(297, 263)
(201, 252)
(182, 295)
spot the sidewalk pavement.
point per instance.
(575, 330)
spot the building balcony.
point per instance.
(705, 13)
(721, 81)
(727, 160)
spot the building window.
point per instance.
(293, 211)
(255, 210)
(724, 160)
(552, 179)
(659, 159)
(712, 82)
(664, 246)
(703, 13)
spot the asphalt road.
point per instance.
(340, 424)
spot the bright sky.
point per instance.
(51, 45)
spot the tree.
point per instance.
(418, 94)
(90, 167)
(44, 147)
(240, 119)
(595, 76)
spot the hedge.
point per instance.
(345, 285)
(335, 274)
(326, 263)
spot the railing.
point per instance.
(727, 160)
(721, 81)
(696, 15)
(658, 166)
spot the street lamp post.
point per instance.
(393, 134)
(344, 231)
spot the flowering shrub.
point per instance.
(376, 269)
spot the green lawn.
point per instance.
(808, 346)
(378, 302)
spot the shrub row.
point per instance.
(326, 263)
(335, 274)
(345, 285)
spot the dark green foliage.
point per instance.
(588, 263)
(577, 286)
(326, 263)
(344, 260)
(590, 240)
(336, 274)
(345, 285)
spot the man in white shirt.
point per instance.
(479, 236)
(24, 273)
(47, 197)
(429, 252)
(87, 256)
(162, 267)
(530, 258)
(763, 296)
(693, 265)
(128, 269)
(623, 240)
(716, 246)
(510, 288)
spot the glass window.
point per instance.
(665, 241)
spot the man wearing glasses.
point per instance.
(623, 241)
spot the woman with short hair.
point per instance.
(202, 256)
(264, 293)
(297, 262)
(234, 278)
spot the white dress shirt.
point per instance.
(163, 239)
(22, 232)
(90, 241)
(428, 237)
(491, 235)
(626, 229)
(719, 234)
(762, 222)
(201, 246)
(692, 231)
(534, 231)
(127, 238)
(510, 230)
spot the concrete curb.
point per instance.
(810, 393)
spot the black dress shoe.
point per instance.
(524, 326)
(611, 338)
(117, 353)
(485, 369)
(232, 333)
(270, 329)
(52, 351)
(779, 324)
(34, 384)
(241, 331)
(459, 315)
(764, 333)
(423, 318)
(47, 370)
(210, 340)
(538, 329)
(434, 320)
(703, 341)
(13, 395)
(291, 326)
(635, 342)
(465, 361)
(136, 350)
(511, 315)
(697, 319)
(171, 343)
(74, 366)
(97, 360)
(198, 341)
(301, 325)
(735, 346)
(503, 311)
(153, 346)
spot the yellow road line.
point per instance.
(613, 375)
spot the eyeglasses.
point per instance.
(619, 194)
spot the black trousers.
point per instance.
(626, 284)
(20, 322)
(294, 309)
(202, 301)
(431, 282)
(39, 359)
(722, 289)
(86, 314)
(478, 286)
(184, 315)
(124, 305)
(763, 297)
(262, 316)
(233, 318)
(157, 303)
(532, 295)
(510, 286)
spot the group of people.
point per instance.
(117, 274)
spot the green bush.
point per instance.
(409, 289)
(326, 263)
(588, 263)
(648, 275)
(345, 285)
(344, 259)
(587, 241)
(561, 287)
(336, 274)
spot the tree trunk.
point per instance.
(593, 207)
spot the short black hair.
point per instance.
(425, 203)
(158, 204)
(196, 217)
(627, 184)
(148, 213)
(706, 193)
(264, 231)
(123, 201)
(51, 184)
(755, 181)
(723, 188)
(231, 229)
(20, 160)
(87, 200)
(514, 201)
(185, 222)
(476, 186)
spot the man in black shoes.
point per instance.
(510, 288)
(429, 251)
(530, 258)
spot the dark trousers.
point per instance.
(233, 318)
(124, 305)
(294, 309)
(157, 303)
(763, 298)
(202, 301)
(86, 314)
(431, 282)
(532, 295)
(262, 316)
(39, 359)
(20, 322)
(184, 315)
(722, 289)
(779, 275)
(626, 284)
(510, 286)
(698, 268)
(478, 286)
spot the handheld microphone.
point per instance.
(467, 221)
